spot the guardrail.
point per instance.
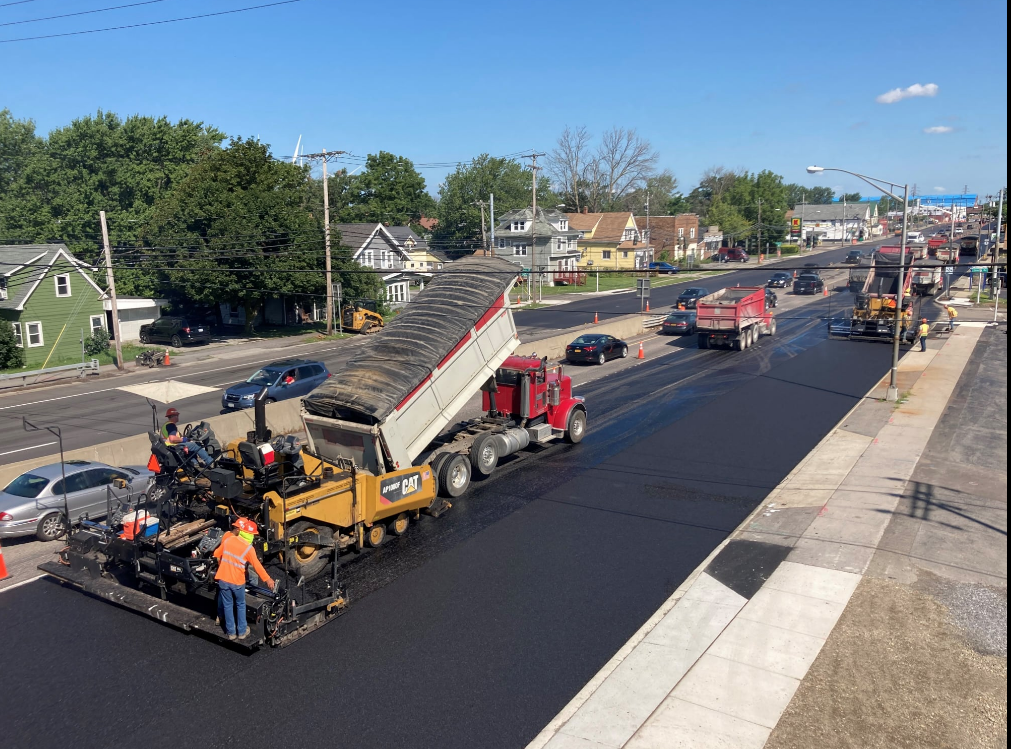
(83, 370)
(653, 321)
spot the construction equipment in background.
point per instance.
(873, 313)
(380, 453)
(362, 317)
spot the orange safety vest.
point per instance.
(234, 553)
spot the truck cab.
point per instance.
(527, 388)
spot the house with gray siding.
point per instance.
(383, 248)
(547, 244)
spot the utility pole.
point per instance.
(324, 157)
(491, 221)
(111, 281)
(842, 241)
(533, 223)
(484, 234)
(993, 269)
(803, 207)
(759, 227)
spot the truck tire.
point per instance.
(484, 455)
(454, 477)
(309, 560)
(750, 337)
(576, 428)
(703, 340)
(399, 525)
(772, 326)
(739, 344)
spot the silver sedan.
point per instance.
(35, 502)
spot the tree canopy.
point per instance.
(389, 190)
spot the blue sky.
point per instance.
(776, 85)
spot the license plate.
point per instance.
(230, 405)
(578, 351)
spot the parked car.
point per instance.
(667, 268)
(291, 378)
(679, 323)
(33, 503)
(808, 283)
(771, 300)
(780, 280)
(689, 297)
(733, 255)
(853, 257)
(175, 331)
(595, 347)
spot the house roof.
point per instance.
(606, 227)
(833, 211)
(543, 226)
(36, 260)
(358, 236)
(403, 233)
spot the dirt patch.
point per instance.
(896, 673)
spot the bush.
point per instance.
(11, 357)
(789, 249)
(97, 343)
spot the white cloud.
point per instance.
(938, 129)
(898, 94)
(938, 188)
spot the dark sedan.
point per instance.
(689, 297)
(596, 348)
(175, 331)
(808, 283)
(679, 323)
(780, 280)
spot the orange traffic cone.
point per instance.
(595, 318)
(642, 355)
(824, 290)
(167, 362)
(647, 305)
(4, 574)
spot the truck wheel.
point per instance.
(376, 535)
(454, 478)
(51, 527)
(739, 344)
(772, 326)
(751, 337)
(576, 428)
(308, 559)
(703, 340)
(484, 455)
(399, 525)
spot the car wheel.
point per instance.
(454, 477)
(484, 455)
(601, 358)
(145, 338)
(576, 428)
(624, 352)
(51, 527)
(177, 342)
(268, 401)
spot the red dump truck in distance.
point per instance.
(734, 317)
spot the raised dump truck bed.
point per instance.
(873, 314)
(734, 317)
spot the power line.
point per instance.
(150, 23)
(81, 13)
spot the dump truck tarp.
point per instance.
(392, 365)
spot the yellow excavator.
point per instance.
(361, 317)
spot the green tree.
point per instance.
(850, 197)
(660, 189)
(11, 355)
(459, 227)
(797, 194)
(241, 230)
(729, 219)
(390, 190)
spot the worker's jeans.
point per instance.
(199, 453)
(232, 607)
(923, 343)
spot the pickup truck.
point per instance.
(808, 283)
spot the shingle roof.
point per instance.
(355, 235)
(833, 211)
(13, 257)
(610, 227)
(403, 233)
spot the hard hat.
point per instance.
(171, 413)
(245, 524)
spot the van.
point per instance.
(733, 255)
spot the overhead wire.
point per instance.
(81, 13)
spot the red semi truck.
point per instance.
(734, 317)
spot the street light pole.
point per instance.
(893, 388)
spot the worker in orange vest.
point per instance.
(233, 554)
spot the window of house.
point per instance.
(34, 331)
(63, 284)
(624, 255)
(605, 254)
(3, 287)
(396, 293)
(519, 249)
(97, 323)
(681, 231)
(628, 234)
(17, 335)
(582, 234)
(563, 225)
(691, 232)
(519, 225)
(367, 258)
(502, 244)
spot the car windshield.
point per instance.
(782, 275)
(27, 485)
(264, 378)
(693, 292)
(586, 340)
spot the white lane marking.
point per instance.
(60, 398)
(33, 447)
(23, 582)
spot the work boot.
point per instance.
(231, 637)
(245, 634)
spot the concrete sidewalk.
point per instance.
(720, 662)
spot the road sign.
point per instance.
(949, 269)
(642, 286)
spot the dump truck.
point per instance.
(925, 277)
(858, 275)
(873, 313)
(968, 245)
(382, 450)
(947, 253)
(734, 317)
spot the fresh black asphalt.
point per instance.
(473, 630)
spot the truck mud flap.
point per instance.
(163, 611)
